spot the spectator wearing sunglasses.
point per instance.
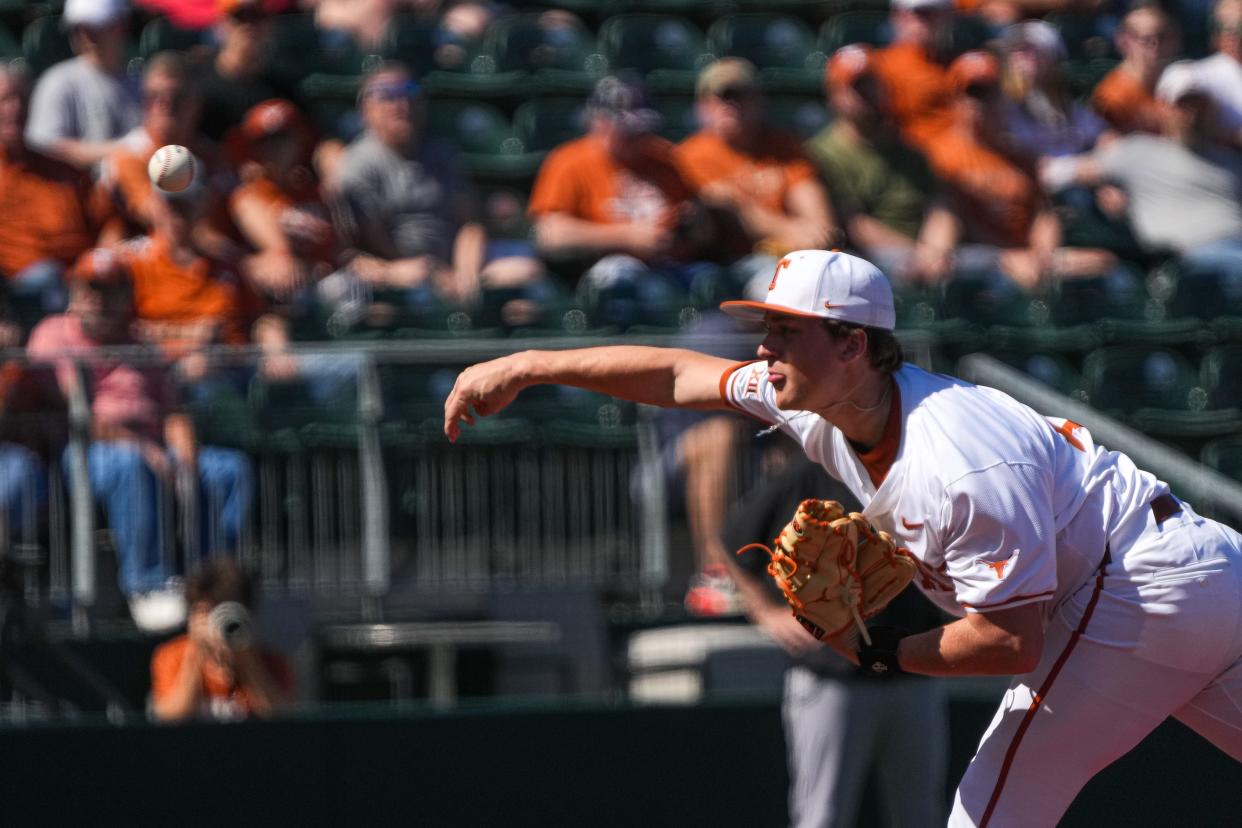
(1148, 40)
(760, 189)
(171, 109)
(409, 214)
(81, 106)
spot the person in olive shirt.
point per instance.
(881, 190)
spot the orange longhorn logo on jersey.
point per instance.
(999, 566)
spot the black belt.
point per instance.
(1165, 507)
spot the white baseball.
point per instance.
(172, 168)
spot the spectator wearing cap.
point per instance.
(914, 69)
(233, 82)
(1148, 39)
(81, 106)
(1220, 74)
(1184, 189)
(617, 197)
(409, 212)
(50, 213)
(1040, 118)
(882, 190)
(278, 208)
(140, 440)
(760, 188)
(1007, 223)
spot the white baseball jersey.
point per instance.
(987, 494)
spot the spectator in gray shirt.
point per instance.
(409, 212)
(1184, 190)
(81, 106)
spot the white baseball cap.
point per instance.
(93, 13)
(1178, 80)
(824, 284)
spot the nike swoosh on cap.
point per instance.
(911, 526)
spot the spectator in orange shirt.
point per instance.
(1148, 40)
(616, 195)
(278, 208)
(185, 299)
(171, 110)
(219, 669)
(1007, 222)
(914, 69)
(756, 182)
(49, 212)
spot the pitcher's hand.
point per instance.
(482, 390)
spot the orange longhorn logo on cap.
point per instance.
(783, 263)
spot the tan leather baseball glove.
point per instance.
(835, 569)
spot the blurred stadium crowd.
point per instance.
(1058, 182)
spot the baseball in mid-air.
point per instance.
(172, 168)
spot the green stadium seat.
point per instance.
(225, 418)
(679, 118)
(336, 117)
(316, 62)
(872, 27)
(10, 46)
(44, 43)
(1156, 390)
(1120, 379)
(482, 135)
(1205, 295)
(1082, 36)
(1224, 455)
(1221, 375)
(545, 123)
(803, 115)
(1052, 369)
(160, 35)
(666, 49)
(556, 51)
(783, 48)
(295, 417)
(411, 39)
(869, 27)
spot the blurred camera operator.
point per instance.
(218, 669)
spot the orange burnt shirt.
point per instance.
(765, 178)
(580, 179)
(1126, 104)
(222, 697)
(202, 292)
(996, 199)
(289, 213)
(917, 91)
(48, 210)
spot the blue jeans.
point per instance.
(132, 498)
(1219, 262)
(37, 291)
(23, 492)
